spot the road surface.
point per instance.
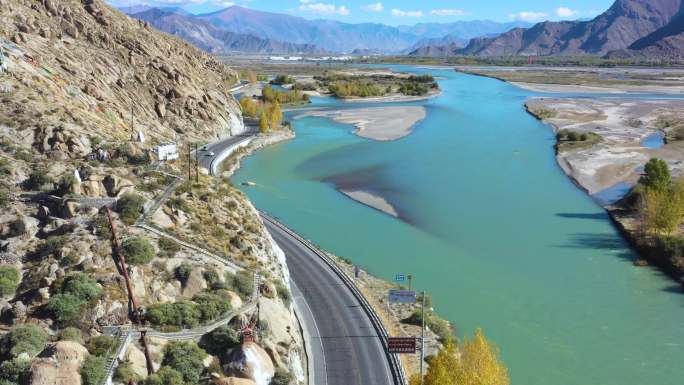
(352, 351)
(206, 160)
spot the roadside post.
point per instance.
(422, 339)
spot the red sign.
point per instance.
(401, 345)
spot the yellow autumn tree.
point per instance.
(249, 107)
(479, 363)
(476, 363)
(443, 367)
(263, 122)
(275, 114)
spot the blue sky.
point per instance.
(396, 12)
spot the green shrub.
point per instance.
(439, 326)
(100, 345)
(281, 377)
(283, 292)
(168, 247)
(9, 280)
(65, 307)
(242, 282)
(93, 370)
(15, 371)
(220, 340)
(82, 286)
(129, 206)
(138, 250)
(656, 175)
(186, 358)
(71, 334)
(213, 281)
(38, 179)
(124, 373)
(211, 305)
(179, 314)
(52, 246)
(101, 226)
(5, 198)
(183, 272)
(165, 376)
(27, 338)
(283, 79)
(76, 291)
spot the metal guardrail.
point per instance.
(397, 369)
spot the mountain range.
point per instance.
(233, 28)
(214, 39)
(627, 28)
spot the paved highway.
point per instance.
(206, 160)
(352, 351)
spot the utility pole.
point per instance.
(422, 340)
(196, 165)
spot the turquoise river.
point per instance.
(491, 227)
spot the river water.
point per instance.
(490, 227)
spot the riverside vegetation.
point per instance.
(652, 215)
(364, 86)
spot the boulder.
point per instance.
(274, 312)
(70, 209)
(137, 359)
(161, 109)
(194, 284)
(116, 186)
(249, 361)
(63, 362)
(268, 290)
(91, 188)
(22, 226)
(235, 300)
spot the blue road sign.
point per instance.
(399, 278)
(402, 296)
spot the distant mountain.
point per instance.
(437, 47)
(333, 36)
(208, 37)
(463, 30)
(625, 23)
(666, 42)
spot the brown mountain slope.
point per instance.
(82, 67)
(665, 43)
(620, 26)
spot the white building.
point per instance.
(167, 151)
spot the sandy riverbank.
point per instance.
(394, 98)
(372, 201)
(623, 124)
(589, 80)
(381, 123)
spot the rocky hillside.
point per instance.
(80, 66)
(71, 72)
(214, 39)
(620, 26)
